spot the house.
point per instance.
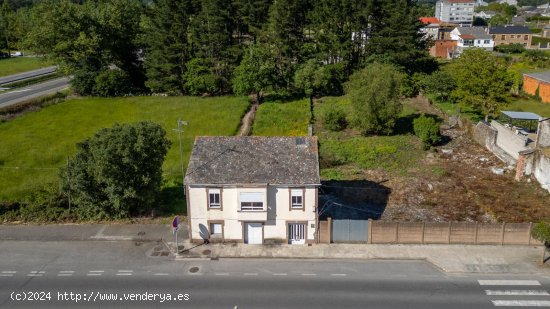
(455, 11)
(467, 37)
(446, 49)
(509, 2)
(546, 31)
(537, 84)
(253, 190)
(503, 35)
(485, 14)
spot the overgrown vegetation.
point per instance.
(427, 129)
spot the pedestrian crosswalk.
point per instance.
(516, 293)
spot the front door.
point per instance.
(296, 233)
(253, 233)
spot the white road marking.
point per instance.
(124, 274)
(36, 273)
(66, 271)
(250, 274)
(161, 274)
(222, 274)
(517, 292)
(94, 274)
(521, 303)
(64, 275)
(22, 90)
(309, 274)
(9, 272)
(125, 271)
(96, 271)
(508, 282)
(279, 274)
(6, 275)
(338, 275)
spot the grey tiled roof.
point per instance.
(253, 160)
(477, 32)
(509, 30)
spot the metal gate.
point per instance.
(350, 231)
(296, 233)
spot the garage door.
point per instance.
(254, 233)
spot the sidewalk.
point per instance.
(448, 258)
(134, 232)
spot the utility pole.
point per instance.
(180, 130)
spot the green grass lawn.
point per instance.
(34, 146)
(9, 66)
(529, 105)
(282, 118)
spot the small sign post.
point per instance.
(175, 226)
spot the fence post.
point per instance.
(449, 232)
(423, 231)
(369, 232)
(502, 240)
(529, 233)
(475, 238)
(329, 219)
(397, 232)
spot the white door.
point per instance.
(296, 233)
(254, 233)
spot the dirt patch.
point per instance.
(455, 183)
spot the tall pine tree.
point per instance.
(394, 36)
(166, 38)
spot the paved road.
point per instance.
(93, 270)
(27, 75)
(33, 91)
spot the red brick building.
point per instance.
(533, 82)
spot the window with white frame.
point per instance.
(251, 201)
(214, 198)
(216, 230)
(297, 198)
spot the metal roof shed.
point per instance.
(521, 116)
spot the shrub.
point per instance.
(541, 232)
(117, 172)
(427, 129)
(510, 48)
(334, 118)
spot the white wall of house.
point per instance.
(275, 216)
(481, 43)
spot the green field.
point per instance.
(16, 65)
(529, 105)
(34, 146)
(282, 118)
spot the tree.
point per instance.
(212, 41)
(311, 78)
(102, 32)
(395, 37)
(117, 172)
(482, 81)
(287, 22)
(255, 73)
(440, 83)
(374, 94)
(166, 31)
(6, 21)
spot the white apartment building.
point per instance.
(455, 11)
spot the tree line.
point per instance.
(218, 47)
